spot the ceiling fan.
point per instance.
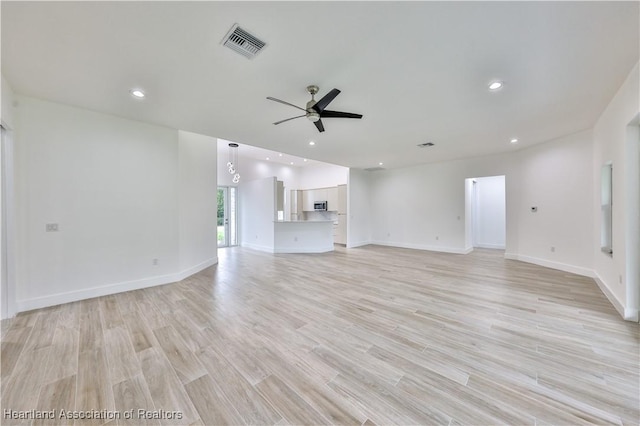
(315, 110)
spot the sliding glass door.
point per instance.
(227, 216)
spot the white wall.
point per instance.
(252, 169)
(322, 176)
(6, 104)
(423, 206)
(257, 204)
(489, 212)
(198, 203)
(410, 207)
(556, 177)
(112, 185)
(611, 144)
(358, 208)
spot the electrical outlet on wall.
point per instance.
(51, 227)
(155, 262)
(553, 249)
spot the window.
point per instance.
(606, 209)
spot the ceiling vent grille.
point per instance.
(425, 145)
(374, 169)
(240, 41)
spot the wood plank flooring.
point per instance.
(372, 335)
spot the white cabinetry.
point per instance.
(296, 205)
(321, 194)
(340, 230)
(342, 199)
(332, 199)
(336, 198)
(279, 196)
(308, 198)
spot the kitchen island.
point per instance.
(303, 236)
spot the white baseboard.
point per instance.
(453, 250)
(612, 297)
(491, 246)
(89, 293)
(258, 247)
(195, 269)
(303, 250)
(626, 314)
(632, 315)
(358, 244)
(578, 270)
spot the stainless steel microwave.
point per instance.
(320, 206)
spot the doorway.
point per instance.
(486, 212)
(227, 220)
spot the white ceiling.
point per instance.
(417, 71)
(256, 153)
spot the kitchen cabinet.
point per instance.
(336, 198)
(340, 230)
(308, 198)
(296, 205)
(332, 199)
(279, 196)
(342, 199)
(321, 194)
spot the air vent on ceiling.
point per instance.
(425, 145)
(240, 41)
(374, 169)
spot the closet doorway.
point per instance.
(486, 204)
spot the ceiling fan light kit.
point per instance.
(315, 111)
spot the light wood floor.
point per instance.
(372, 335)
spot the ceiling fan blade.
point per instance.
(338, 114)
(286, 103)
(292, 118)
(326, 100)
(319, 126)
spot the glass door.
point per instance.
(227, 216)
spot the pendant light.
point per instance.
(232, 164)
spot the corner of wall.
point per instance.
(6, 103)
(610, 295)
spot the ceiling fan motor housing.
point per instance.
(313, 116)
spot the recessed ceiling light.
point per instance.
(137, 93)
(291, 163)
(312, 143)
(514, 140)
(280, 155)
(267, 158)
(495, 85)
(380, 163)
(305, 160)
